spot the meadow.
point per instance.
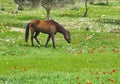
(91, 58)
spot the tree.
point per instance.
(49, 4)
(19, 4)
(46, 4)
(86, 8)
(107, 2)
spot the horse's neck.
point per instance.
(62, 31)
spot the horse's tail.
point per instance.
(27, 33)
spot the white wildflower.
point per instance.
(7, 40)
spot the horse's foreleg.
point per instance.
(35, 36)
(53, 41)
(48, 39)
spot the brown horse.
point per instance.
(49, 27)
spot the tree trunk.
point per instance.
(86, 8)
(107, 2)
(48, 13)
(17, 6)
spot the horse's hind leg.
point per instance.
(35, 37)
(53, 40)
(48, 39)
(32, 33)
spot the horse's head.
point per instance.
(67, 37)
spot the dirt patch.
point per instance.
(17, 29)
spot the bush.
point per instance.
(2, 8)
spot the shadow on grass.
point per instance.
(100, 4)
(27, 45)
(70, 15)
(35, 46)
(41, 46)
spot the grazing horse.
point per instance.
(49, 27)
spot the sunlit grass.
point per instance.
(91, 58)
(86, 59)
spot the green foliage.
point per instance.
(2, 9)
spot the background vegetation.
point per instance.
(91, 58)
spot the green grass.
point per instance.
(80, 59)
(92, 57)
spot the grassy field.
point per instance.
(91, 58)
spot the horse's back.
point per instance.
(44, 22)
(45, 26)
